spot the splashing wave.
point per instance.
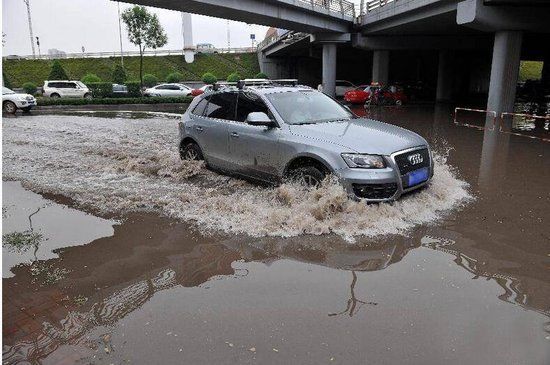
(123, 165)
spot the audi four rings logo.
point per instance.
(415, 159)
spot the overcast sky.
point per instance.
(70, 24)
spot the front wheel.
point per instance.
(398, 102)
(309, 176)
(55, 96)
(88, 96)
(9, 107)
(191, 152)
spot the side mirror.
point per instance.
(259, 119)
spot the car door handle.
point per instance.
(199, 129)
(234, 135)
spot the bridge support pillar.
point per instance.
(329, 69)
(444, 77)
(380, 66)
(504, 71)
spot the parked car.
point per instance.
(66, 89)
(201, 90)
(11, 101)
(206, 48)
(278, 133)
(393, 95)
(359, 95)
(120, 91)
(343, 86)
(172, 90)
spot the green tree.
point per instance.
(261, 75)
(30, 88)
(144, 30)
(149, 80)
(57, 72)
(119, 74)
(234, 77)
(174, 77)
(209, 78)
(90, 78)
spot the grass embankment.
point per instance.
(36, 71)
(112, 101)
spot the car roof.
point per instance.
(269, 89)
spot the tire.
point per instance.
(88, 96)
(191, 152)
(309, 176)
(9, 107)
(398, 102)
(55, 95)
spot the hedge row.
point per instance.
(36, 71)
(112, 101)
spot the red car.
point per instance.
(358, 95)
(393, 95)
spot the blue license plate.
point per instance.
(418, 176)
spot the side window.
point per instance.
(222, 106)
(248, 103)
(71, 85)
(201, 106)
(160, 87)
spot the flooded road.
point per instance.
(162, 272)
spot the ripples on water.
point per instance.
(117, 166)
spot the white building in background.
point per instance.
(56, 53)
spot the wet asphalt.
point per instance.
(472, 287)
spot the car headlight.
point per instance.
(364, 161)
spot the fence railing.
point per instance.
(370, 5)
(158, 52)
(343, 7)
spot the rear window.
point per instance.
(199, 109)
(222, 106)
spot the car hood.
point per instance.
(17, 95)
(361, 135)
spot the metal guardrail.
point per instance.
(343, 7)
(370, 5)
(159, 52)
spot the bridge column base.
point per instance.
(329, 69)
(504, 71)
(380, 66)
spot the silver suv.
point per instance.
(273, 133)
(66, 89)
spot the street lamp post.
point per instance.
(30, 26)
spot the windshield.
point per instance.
(5, 91)
(308, 107)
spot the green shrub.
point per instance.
(101, 89)
(90, 78)
(150, 80)
(134, 89)
(234, 77)
(57, 72)
(119, 74)
(6, 81)
(261, 75)
(174, 77)
(209, 78)
(30, 88)
(113, 101)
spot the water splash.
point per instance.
(125, 165)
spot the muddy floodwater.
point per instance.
(115, 252)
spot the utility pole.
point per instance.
(228, 37)
(120, 36)
(30, 26)
(38, 44)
